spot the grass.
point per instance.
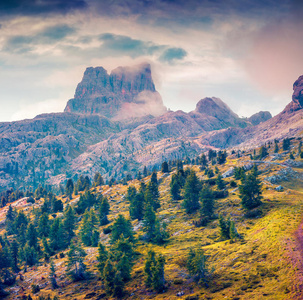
(262, 264)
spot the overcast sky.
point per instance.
(246, 52)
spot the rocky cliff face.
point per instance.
(128, 92)
(259, 117)
(214, 114)
(297, 97)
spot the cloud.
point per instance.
(173, 54)
(40, 7)
(125, 45)
(25, 43)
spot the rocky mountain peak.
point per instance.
(297, 96)
(259, 117)
(127, 92)
(214, 107)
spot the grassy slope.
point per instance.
(266, 263)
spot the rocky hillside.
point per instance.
(127, 92)
(117, 123)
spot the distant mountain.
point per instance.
(128, 92)
(259, 117)
(117, 123)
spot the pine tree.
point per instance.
(232, 231)
(32, 236)
(43, 226)
(124, 267)
(196, 265)
(276, 147)
(220, 182)
(158, 280)
(136, 207)
(102, 258)
(191, 193)
(52, 275)
(121, 227)
(98, 180)
(58, 237)
(149, 264)
(88, 227)
(224, 227)
(109, 275)
(75, 265)
(250, 190)
(69, 223)
(69, 188)
(207, 201)
(164, 167)
(175, 191)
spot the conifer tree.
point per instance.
(149, 264)
(43, 226)
(102, 258)
(14, 253)
(175, 190)
(109, 274)
(276, 150)
(58, 236)
(118, 290)
(98, 180)
(120, 227)
(124, 267)
(250, 190)
(196, 265)
(220, 182)
(164, 167)
(224, 227)
(52, 275)
(207, 201)
(75, 265)
(158, 280)
(69, 223)
(32, 236)
(69, 188)
(136, 208)
(191, 193)
(88, 228)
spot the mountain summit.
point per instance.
(128, 92)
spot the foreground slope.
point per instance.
(266, 262)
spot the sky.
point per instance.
(246, 52)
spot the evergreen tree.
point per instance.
(52, 275)
(175, 190)
(75, 265)
(58, 236)
(109, 274)
(121, 227)
(276, 150)
(118, 290)
(149, 264)
(220, 182)
(164, 167)
(102, 258)
(124, 267)
(136, 208)
(207, 201)
(30, 255)
(98, 180)
(69, 223)
(14, 253)
(69, 188)
(196, 265)
(286, 144)
(88, 228)
(250, 190)
(263, 152)
(9, 220)
(104, 211)
(145, 173)
(158, 280)
(152, 195)
(32, 236)
(43, 226)
(191, 193)
(221, 157)
(232, 231)
(224, 227)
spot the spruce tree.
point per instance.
(109, 274)
(220, 182)
(207, 201)
(250, 190)
(124, 267)
(136, 207)
(158, 280)
(120, 227)
(149, 264)
(102, 258)
(14, 253)
(164, 167)
(88, 228)
(69, 188)
(32, 236)
(224, 227)
(43, 226)
(196, 265)
(69, 223)
(75, 265)
(191, 193)
(52, 275)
